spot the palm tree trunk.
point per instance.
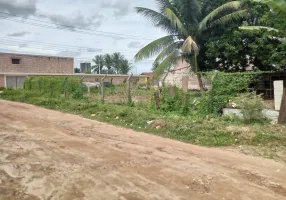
(201, 85)
(200, 82)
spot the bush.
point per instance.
(181, 102)
(2, 88)
(53, 86)
(251, 106)
(225, 86)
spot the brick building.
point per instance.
(20, 63)
(14, 68)
(182, 71)
(13, 65)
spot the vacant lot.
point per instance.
(50, 155)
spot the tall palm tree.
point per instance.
(183, 21)
(117, 57)
(124, 67)
(108, 63)
(98, 61)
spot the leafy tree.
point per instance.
(235, 50)
(277, 7)
(187, 25)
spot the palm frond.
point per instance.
(157, 19)
(226, 19)
(190, 11)
(251, 28)
(154, 47)
(176, 22)
(278, 6)
(168, 50)
(230, 6)
(190, 47)
(155, 65)
(162, 4)
(167, 63)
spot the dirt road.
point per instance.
(50, 155)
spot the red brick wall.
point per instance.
(36, 64)
(2, 80)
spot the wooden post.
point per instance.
(172, 90)
(129, 89)
(185, 83)
(282, 112)
(102, 88)
(65, 87)
(81, 90)
(157, 99)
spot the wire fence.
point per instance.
(75, 88)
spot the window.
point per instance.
(15, 61)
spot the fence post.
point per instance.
(282, 112)
(172, 90)
(81, 90)
(157, 99)
(129, 89)
(65, 86)
(102, 88)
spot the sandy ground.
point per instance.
(50, 155)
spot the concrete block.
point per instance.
(268, 113)
(278, 92)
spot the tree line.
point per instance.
(114, 63)
(217, 35)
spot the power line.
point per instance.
(91, 49)
(55, 48)
(70, 28)
(75, 58)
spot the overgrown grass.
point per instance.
(196, 129)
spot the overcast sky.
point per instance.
(103, 26)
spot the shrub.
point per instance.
(2, 88)
(180, 102)
(251, 106)
(225, 86)
(53, 86)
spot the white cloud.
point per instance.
(119, 7)
(76, 19)
(18, 7)
(134, 44)
(69, 53)
(19, 34)
(23, 45)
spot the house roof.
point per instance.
(63, 74)
(147, 73)
(34, 55)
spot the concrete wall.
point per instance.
(2, 84)
(181, 70)
(35, 64)
(115, 79)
